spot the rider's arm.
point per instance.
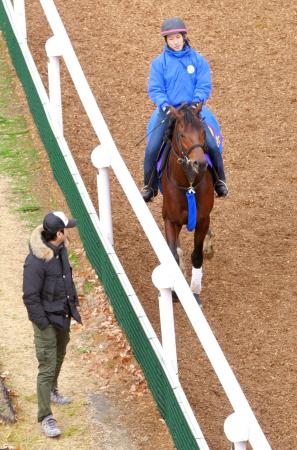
(203, 85)
(156, 85)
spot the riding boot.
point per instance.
(150, 188)
(148, 193)
(219, 177)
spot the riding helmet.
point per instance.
(172, 26)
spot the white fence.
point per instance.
(241, 427)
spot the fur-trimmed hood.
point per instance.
(38, 248)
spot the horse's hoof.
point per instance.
(208, 252)
(197, 298)
(174, 297)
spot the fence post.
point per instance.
(237, 431)
(162, 281)
(53, 50)
(101, 160)
(20, 14)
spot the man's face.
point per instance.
(61, 236)
(175, 41)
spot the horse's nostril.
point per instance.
(203, 165)
(195, 166)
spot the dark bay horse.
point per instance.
(187, 171)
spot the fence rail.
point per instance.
(155, 358)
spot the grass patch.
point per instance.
(84, 350)
(18, 157)
(88, 287)
(23, 440)
(71, 431)
(74, 260)
(28, 208)
(31, 398)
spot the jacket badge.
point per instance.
(190, 68)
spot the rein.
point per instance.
(190, 169)
(186, 153)
(157, 126)
(183, 159)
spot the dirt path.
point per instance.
(18, 357)
(104, 408)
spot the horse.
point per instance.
(187, 171)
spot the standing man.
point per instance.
(51, 300)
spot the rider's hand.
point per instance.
(166, 110)
(197, 106)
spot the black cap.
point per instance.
(56, 221)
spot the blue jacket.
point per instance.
(177, 77)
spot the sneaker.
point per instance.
(49, 427)
(148, 193)
(221, 188)
(58, 398)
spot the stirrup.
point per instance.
(221, 188)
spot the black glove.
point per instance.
(166, 110)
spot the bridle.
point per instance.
(183, 159)
(182, 153)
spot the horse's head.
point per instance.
(189, 140)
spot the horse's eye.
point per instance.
(182, 135)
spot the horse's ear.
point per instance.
(175, 113)
(198, 108)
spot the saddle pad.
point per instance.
(162, 157)
(209, 161)
(213, 126)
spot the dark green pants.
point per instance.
(50, 345)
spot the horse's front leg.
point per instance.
(197, 256)
(172, 233)
(180, 251)
(172, 237)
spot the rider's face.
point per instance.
(175, 41)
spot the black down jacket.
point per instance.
(48, 289)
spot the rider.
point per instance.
(179, 75)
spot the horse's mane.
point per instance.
(189, 118)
